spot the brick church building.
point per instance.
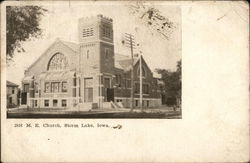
(87, 74)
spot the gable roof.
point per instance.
(73, 46)
(124, 62)
(10, 84)
(121, 61)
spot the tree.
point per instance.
(172, 81)
(23, 23)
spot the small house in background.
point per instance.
(12, 94)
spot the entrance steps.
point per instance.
(120, 105)
(86, 106)
(106, 105)
(23, 106)
(112, 105)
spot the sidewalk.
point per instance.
(163, 109)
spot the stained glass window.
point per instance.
(58, 62)
(55, 87)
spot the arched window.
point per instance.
(143, 72)
(87, 54)
(58, 62)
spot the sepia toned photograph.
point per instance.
(93, 61)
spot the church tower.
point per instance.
(96, 45)
(96, 58)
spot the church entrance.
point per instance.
(24, 98)
(88, 90)
(109, 92)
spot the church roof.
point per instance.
(121, 61)
(10, 84)
(71, 45)
(124, 62)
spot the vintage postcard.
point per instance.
(124, 81)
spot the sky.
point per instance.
(61, 21)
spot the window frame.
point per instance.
(128, 84)
(35, 103)
(55, 103)
(87, 54)
(119, 80)
(64, 90)
(107, 53)
(144, 90)
(53, 89)
(45, 102)
(26, 87)
(107, 32)
(62, 103)
(58, 62)
(49, 88)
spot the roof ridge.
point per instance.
(74, 42)
(67, 42)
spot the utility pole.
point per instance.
(130, 42)
(141, 107)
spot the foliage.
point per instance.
(22, 24)
(172, 81)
